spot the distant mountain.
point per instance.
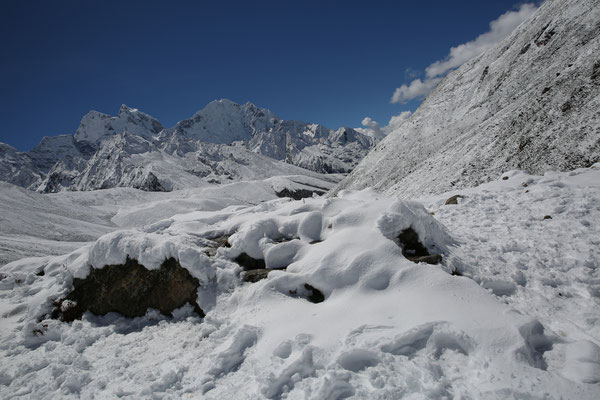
(224, 141)
(532, 103)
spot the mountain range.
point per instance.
(223, 142)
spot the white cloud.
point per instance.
(373, 128)
(499, 29)
(398, 120)
(416, 89)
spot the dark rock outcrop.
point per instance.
(130, 289)
(454, 199)
(255, 275)
(298, 194)
(309, 293)
(248, 263)
(413, 249)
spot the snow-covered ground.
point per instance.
(34, 224)
(521, 323)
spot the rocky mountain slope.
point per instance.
(223, 142)
(530, 103)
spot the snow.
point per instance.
(95, 126)
(529, 103)
(522, 321)
(35, 225)
(223, 142)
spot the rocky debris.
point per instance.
(218, 242)
(547, 216)
(309, 293)
(413, 249)
(130, 289)
(454, 199)
(255, 275)
(430, 259)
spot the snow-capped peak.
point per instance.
(109, 151)
(95, 126)
(223, 122)
(127, 110)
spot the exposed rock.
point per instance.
(309, 293)
(411, 245)
(298, 194)
(413, 249)
(130, 289)
(248, 263)
(255, 275)
(315, 296)
(430, 259)
(454, 199)
(151, 184)
(221, 241)
(547, 216)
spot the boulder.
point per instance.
(130, 289)
(454, 199)
(255, 275)
(413, 249)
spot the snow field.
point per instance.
(388, 328)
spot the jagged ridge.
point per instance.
(222, 142)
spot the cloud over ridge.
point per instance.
(500, 28)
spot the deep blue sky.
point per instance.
(328, 62)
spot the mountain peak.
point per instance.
(126, 110)
(95, 125)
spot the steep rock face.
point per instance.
(18, 168)
(61, 147)
(529, 103)
(114, 165)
